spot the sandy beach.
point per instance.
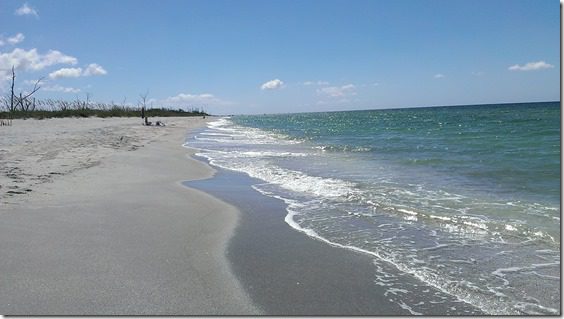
(95, 221)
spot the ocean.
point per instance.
(466, 199)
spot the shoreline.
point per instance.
(115, 232)
(286, 272)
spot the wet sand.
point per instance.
(289, 273)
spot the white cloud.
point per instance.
(30, 60)
(338, 91)
(94, 69)
(190, 100)
(320, 83)
(26, 10)
(272, 85)
(91, 69)
(531, 66)
(55, 57)
(369, 84)
(16, 39)
(439, 76)
(13, 40)
(58, 88)
(66, 73)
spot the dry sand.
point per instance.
(95, 221)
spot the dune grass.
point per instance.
(43, 109)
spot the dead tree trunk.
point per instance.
(12, 107)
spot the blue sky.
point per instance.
(273, 56)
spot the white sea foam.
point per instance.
(256, 154)
(406, 211)
(440, 217)
(408, 308)
(536, 309)
(233, 134)
(439, 246)
(216, 134)
(502, 272)
(288, 179)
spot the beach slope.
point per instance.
(95, 221)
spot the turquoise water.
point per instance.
(465, 198)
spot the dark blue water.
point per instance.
(466, 199)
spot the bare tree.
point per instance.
(9, 104)
(26, 104)
(12, 90)
(64, 105)
(144, 99)
(143, 107)
(88, 99)
(24, 101)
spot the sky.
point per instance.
(278, 56)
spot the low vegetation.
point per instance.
(23, 106)
(49, 108)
